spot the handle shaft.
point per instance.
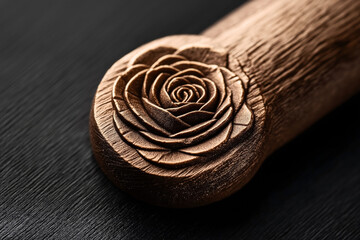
(304, 56)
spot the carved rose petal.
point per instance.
(176, 158)
(197, 93)
(173, 83)
(211, 144)
(165, 99)
(242, 121)
(213, 96)
(164, 118)
(135, 84)
(122, 80)
(204, 54)
(185, 108)
(171, 143)
(190, 92)
(194, 129)
(194, 89)
(195, 80)
(168, 158)
(152, 74)
(236, 86)
(237, 130)
(127, 116)
(196, 117)
(168, 60)
(224, 106)
(200, 85)
(149, 57)
(216, 76)
(156, 86)
(132, 99)
(182, 94)
(182, 142)
(179, 96)
(189, 72)
(244, 116)
(133, 137)
(203, 68)
(202, 92)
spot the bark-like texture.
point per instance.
(304, 55)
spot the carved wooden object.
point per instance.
(187, 120)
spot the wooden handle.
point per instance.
(187, 120)
(304, 55)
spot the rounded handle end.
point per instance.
(177, 123)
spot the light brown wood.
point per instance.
(187, 120)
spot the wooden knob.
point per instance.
(187, 120)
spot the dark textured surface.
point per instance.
(53, 55)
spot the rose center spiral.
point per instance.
(185, 93)
(182, 90)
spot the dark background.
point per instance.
(53, 54)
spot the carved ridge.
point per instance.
(178, 106)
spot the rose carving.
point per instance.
(180, 106)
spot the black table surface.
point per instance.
(53, 54)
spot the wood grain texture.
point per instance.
(296, 64)
(304, 56)
(52, 58)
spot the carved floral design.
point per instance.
(178, 106)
